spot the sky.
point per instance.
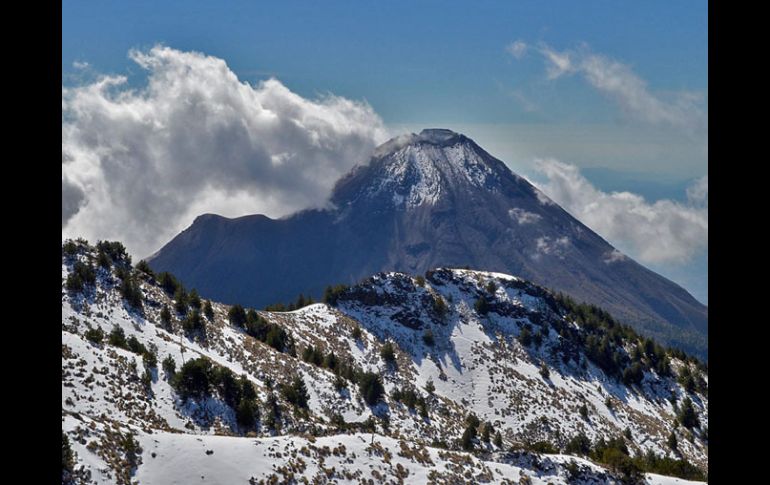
(173, 109)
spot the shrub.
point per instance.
(74, 283)
(67, 458)
(491, 287)
(194, 299)
(169, 366)
(332, 294)
(103, 260)
(193, 379)
(296, 392)
(428, 338)
(165, 318)
(687, 416)
(247, 413)
(208, 311)
(272, 412)
(439, 307)
(672, 442)
(388, 353)
(419, 280)
(180, 300)
(371, 388)
(621, 463)
(145, 268)
(633, 374)
(481, 306)
(498, 441)
(583, 411)
(117, 337)
(430, 387)
(94, 335)
(339, 383)
(237, 316)
(247, 388)
(150, 359)
(467, 439)
(525, 336)
(168, 282)
(578, 445)
(255, 325)
(70, 247)
(356, 332)
(115, 251)
(82, 275)
(277, 338)
(542, 447)
(330, 361)
(131, 292)
(227, 385)
(135, 346)
(193, 323)
(544, 372)
(312, 355)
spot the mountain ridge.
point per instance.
(515, 362)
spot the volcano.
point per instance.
(428, 200)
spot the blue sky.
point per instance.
(449, 64)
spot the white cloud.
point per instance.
(549, 246)
(613, 256)
(626, 89)
(139, 164)
(698, 193)
(558, 63)
(517, 49)
(664, 231)
(523, 217)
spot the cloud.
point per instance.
(626, 89)
(523, 217)
(698, 192)
(138, 164)
(517, 49)
(549, 246)
(664, 231)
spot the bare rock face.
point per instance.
(428, 200)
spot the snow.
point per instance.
(476, 365)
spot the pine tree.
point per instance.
(388, 353)
(165, 318)
(430, 387)
(208, 311)
(296, 392)
(67, 459)
(672, 442)
(498, 440)
(371, 388)
(169, 366)
(687, 415)
(237, 316)
(481, 306)
(525, 337)
(194, 299)
(180, 300)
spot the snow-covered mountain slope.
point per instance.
(427, 200)
(126, 419)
